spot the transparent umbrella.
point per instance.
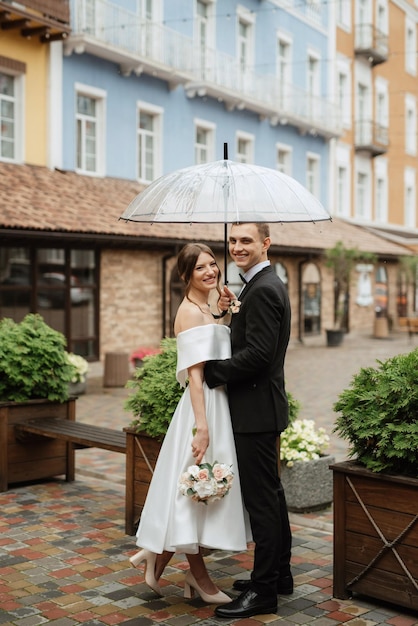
(225, 192)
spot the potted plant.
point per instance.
(304, 461)
(376, 494)
(34, 378)
(342, 260)
(138, 355)
(80, 368)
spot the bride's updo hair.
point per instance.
(186, 263)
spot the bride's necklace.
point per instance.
(205, 308)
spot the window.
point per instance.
(11, 109)
(363, 189)
(312, 174)
(410, 125)
(204, 141)
(311, 295)
(284, 159)
(313, 86)
(59, 284)
(342, 191)
(344, 14)
(204, 34)
(7, 117)
(90, 130)
(382, 109)
(410, 47)
(149, 142)
(344, 91)
(381, 190)
(245, 148)
(245, 43)
(410, 197)
(284, 52)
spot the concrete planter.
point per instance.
(308, 485)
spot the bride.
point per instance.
(200, 430)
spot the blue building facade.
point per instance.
(149, 86)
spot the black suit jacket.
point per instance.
(254, 374)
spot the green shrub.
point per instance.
(379, 415)
(33, 361)
(157, 392)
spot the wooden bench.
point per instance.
(76, 433)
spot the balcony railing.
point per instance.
(371, 137)
(137, 45)
(371, 43)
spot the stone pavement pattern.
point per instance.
(64, 554)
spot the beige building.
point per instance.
(376, 156)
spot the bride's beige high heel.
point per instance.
(190, 585)
(149, 573)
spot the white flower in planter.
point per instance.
(301, 441)
(80, 366)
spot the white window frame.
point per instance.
(343, 187)
(287, 151)
(410, 125)
(313, 175)
(284, 68)
(19, 119)
(344, 100)
(208, 44)
(248, 139)
(410, 193)
(99, 95)
(362, 206)
(410, 46)
(381, 198)
(343, 14)
(313, 84)
(157, 114)
(244, 16)
(210, 128)
(382, 16)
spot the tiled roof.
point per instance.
(38, 199)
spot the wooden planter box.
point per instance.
(141, 455)
(370, 512)
(43, 458)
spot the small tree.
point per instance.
(342, 261)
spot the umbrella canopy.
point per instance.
(227, 192)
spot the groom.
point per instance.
(259, 411)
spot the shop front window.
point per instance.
(58, 284)
(311, 299)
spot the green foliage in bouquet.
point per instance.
(157, 391)
(379, 415)
(33, 361)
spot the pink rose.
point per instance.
(203, 474)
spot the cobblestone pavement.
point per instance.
(64, 554)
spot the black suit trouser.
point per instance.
(265, 502)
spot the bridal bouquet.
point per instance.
(205, 482)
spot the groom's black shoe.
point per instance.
(284, 585)
(247, 604)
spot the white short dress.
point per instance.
(174, 522)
